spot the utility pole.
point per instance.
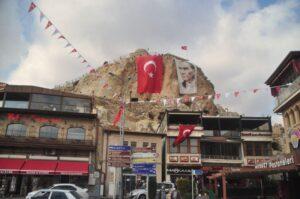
(122, 125)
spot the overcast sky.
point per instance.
(238, 44)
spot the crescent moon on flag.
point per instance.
(186, 131)
(150, 63)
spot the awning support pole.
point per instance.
(216, 186)
(261, 187)
(224, 186)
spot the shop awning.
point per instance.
(72, 168)
(11, 165)
(39, 167)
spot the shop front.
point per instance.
(20, 176)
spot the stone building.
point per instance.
(285, 85)
(46, 137)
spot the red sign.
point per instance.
(184, 158)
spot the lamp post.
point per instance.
(122, 125)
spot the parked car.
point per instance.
(70, 187)
(168, 186)
(55, 194)
(142, 193)
(138, 194)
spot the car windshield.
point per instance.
(75, 194)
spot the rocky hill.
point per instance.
(110, 82)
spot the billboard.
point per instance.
(187, 77)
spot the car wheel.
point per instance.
(142, 196)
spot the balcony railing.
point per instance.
(227, 134)
(286, 92)
(226, 157)
(38, 142)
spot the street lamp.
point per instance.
(122, 125)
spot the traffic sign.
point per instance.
(144, 160)
(144, 155)
(143, 149)
(143, 165)
(144, 171)
(119, 148)
(197, 172)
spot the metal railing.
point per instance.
(226, 157)
(45, 141)
(224, 133)
(286, 92)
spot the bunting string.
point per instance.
(217, 96)
(56, 31)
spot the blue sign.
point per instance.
(144, 165)
(119, 148)
(197, 172)
(144, 171)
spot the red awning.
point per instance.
(72, 168)
(39, 167)
(11, 165)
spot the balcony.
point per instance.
(222, 159)
(224, 133)
(36, 142)
(287, 92)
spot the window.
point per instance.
(17, 100)
(258, 149)
(133, 144)
(16, 130)
(184, 146)
(125, 143)
(41, 195)
(65, 187)
(76, 134)
(45, 102)
(216, 150)
(171, 147)
(145, 144)
(153, 146)
(194, 145)
(58, 195)
(1, 99)
(76, 105)
(48, 132)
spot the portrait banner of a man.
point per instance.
(187, 77)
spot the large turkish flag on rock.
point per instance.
(150, 73)
(184, 132)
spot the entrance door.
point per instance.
(129, 183)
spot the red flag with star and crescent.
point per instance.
(184, 132)
(150, 73)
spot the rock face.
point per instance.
(109, 83)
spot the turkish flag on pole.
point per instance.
(150, 73)
(118, 116)
(183, 47)
(184, 132)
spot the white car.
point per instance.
(70, 187)
(55, 194)
(138, 194)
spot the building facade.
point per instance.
(217, 143)
(46, 137)
(285, 86)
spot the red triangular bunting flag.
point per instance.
(73, 51)
(61, 37)
(236, 93)
(48, 24)
(118, 116)
(31, 7)
(84, 61)
(255, 90)
(105, 85)
(184, 132)
(218, 95)
(92, 70)
(149, 73)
